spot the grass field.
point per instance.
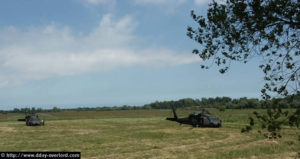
(143, 134)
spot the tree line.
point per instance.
(217, 102)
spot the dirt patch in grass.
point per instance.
(7, 130)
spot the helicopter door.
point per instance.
(206, 122)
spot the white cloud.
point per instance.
(50, 51)
(168, 6)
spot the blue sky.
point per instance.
(75, 53)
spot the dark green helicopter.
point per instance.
(33, 120)
(198, 119)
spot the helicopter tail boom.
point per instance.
(174, 112)
(175, 115)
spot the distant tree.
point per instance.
(197, 102)
(147, 106)
(25, 110)
(56, 109)
(16, 110)
(239, 30)
(187, 102)
(226, 99)
(253, 103)
(39, 110)
(33, 110)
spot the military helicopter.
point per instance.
(33, 120)
(198, 119)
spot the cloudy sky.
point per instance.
(75, 53)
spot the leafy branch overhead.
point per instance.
(271, 122)
(240, 30)
(267, 30)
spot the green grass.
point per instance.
(143, 134)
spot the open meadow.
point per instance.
(144, 134)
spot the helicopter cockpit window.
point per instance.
(212, 119)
